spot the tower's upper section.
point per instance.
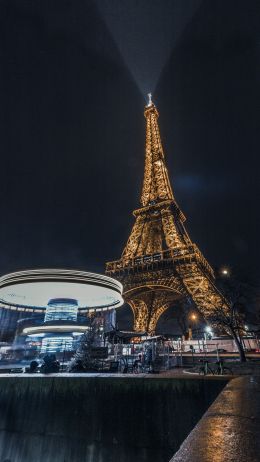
(156, 184)
(158, 237)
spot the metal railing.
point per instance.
(190, 252)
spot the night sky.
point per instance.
(72, 82)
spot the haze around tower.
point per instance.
(146, 34)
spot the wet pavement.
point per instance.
(230, 430)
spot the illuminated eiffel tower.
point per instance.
(160, 264)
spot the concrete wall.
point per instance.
(86, 419)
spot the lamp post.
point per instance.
(207, 336)
(193, 318)
(208, 331)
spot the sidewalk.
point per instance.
(230, 430)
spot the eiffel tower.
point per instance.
(160, 264)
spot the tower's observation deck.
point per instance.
(160, 263)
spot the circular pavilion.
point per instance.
(62, 299)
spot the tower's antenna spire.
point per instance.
(150, 99)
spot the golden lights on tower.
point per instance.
(160, 264)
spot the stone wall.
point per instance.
(86, 419)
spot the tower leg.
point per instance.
(140, 311)
(147, 312)
(157, 311)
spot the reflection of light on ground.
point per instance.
(220, 436)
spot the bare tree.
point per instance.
(230, 317)
(253, 316)
(231, 320)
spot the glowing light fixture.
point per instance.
(36, 330)
(225, 271)
(59, 309)
(149, 99)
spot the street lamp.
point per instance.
(208, 333)
(193, 317)
(225, 272)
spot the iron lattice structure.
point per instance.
(160, 264)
